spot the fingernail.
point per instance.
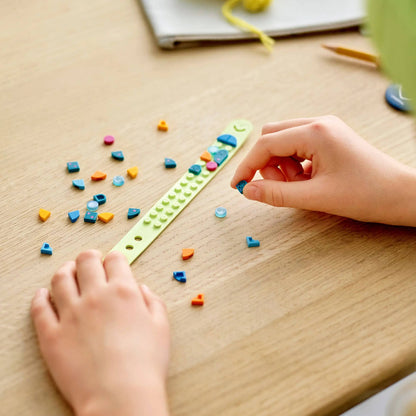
(41, 291)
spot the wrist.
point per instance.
(148, 399)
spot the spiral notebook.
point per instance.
(175, 22)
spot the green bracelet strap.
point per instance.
(144, 232)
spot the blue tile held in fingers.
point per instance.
(240, 186)
(100, 198)
(73, 215)
(195, 169)
(78, 183)
(118, 155)
(46, 249)
(220, 156)
(251, 242)
(90, 217)
(133, 212)
(169, 163)
(72, 167)
(228, 139)
(180, 276)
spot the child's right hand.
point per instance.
(321, 164)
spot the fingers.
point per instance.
(155, 305)
(302, 194)
(285, 124)
(64, 285)
(42, 312)
(290, 142)
(90, 271)
(117, 268)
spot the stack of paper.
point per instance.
(178, 21)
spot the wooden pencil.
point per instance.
(352, 53)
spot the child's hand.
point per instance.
(321, 164)
(104, 340)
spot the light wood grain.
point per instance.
(318, 317)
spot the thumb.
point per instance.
(281, 194)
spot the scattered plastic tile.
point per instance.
(72, 167)
(133, 212)
(162, 126)
(228, 139)
(132, 172)
(73, 215)
(180, 276)
(98, 176)
(118, 155)
(79, 184)
(252, 243)
(240, 186)
(118, 181)
(44, 214)
(90, 217)
(220, 212)
(213, 150)
(198, 301)
(92, 205)
(206, 156)
(195, 169)
(46, 249)
(211, 166)
(106, 216)
(169, 163)
(100, 198)
(187, 253)
(220, 156)
(108, 140)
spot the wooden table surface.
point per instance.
(317, 318)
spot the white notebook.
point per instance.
(177, 21)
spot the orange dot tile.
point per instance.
(98, 176)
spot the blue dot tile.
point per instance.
(133, 212)
(220, 156)
(220, 212)
(252, 243)
(100, 198)
(79, 184)
(180, 276)
(72, 167)
(118, 155)
(169, 163)
(195, 169)
(90, 217)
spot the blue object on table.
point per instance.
(395, 98)
(118, 180)
(72, 167)
(118, 155)
(220, 212)
(180, 276)
(73, 215)
(46, 249)
(90, 217)
(78, 183)
(100, 198)
(92, 205)
(169, 163)
(252, 243)
(133, 212)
